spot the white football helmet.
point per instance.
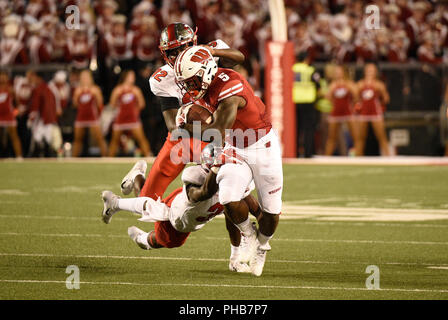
(195, 69)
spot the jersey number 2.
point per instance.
(214, 210)
(160, 74)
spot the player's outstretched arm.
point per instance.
(228, 57)
(204, 192)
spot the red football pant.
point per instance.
(161, 174)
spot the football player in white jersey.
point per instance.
(185, 210)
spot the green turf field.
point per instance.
(337, 220)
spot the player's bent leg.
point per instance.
(162, 173)
(233, 180)
(148, 208)
(268, 177)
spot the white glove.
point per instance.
(181, 117)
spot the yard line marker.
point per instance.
(80, 256)
(438, 267)
(97, 235)
(321, 217)
(65, 235)
(205, 285)
(13, 216)
(284, 217)
(369, 224)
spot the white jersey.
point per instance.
(186, 216)
(163, 81)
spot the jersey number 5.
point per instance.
(224, 77)
(160, 74)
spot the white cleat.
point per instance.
(110, 201)
(258, 259)
(136, 234)
(248, 246)
(127, 184)
(237, 266)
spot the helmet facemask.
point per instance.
(194, 86)
(173, 42)
(170, 55)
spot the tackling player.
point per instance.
(185, 210)
(251, 138)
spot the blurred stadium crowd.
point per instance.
(120, 35)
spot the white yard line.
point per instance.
(318, 160)
(212, 285)
(83, 256)
(97, 235)
(283, 217)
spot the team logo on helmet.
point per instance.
(195, 69)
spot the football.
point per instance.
(196, 112)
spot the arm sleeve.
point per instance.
(167, 103)
(218, 44)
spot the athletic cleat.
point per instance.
(258, 259)
(110, 201)
(127, 184)
(135, 234)
(248, 246)
(237, 266)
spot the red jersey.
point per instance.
(253, 115)
(88, 108)
(44, 103)
(370, 103)
(129, 112)
(6, 108)
(342, 100)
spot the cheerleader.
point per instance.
(88, 100)
(373, 97)
(129, 99)
(342, 94)
(7, 116)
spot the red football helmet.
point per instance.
(174, 39)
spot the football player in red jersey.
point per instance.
(243, 122)
(174, 39)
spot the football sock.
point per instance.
(263, 239)
(132, 204)
(246, 227)
(234, 252)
